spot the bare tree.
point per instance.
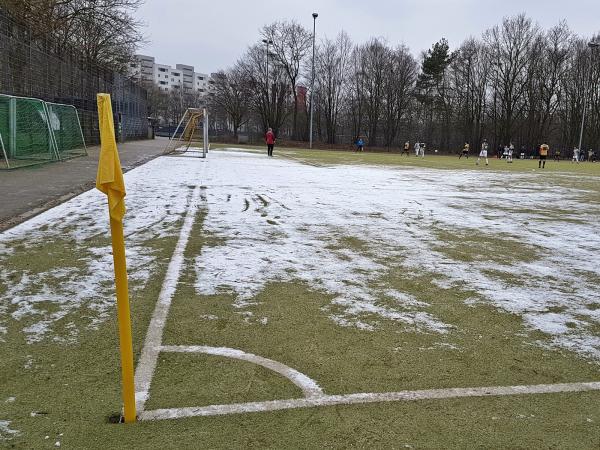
(511, 47)
(374, 58)
(291, 43)
(332, 66)
(269, 87)
(356, 93)
(232, 96)
(469, 72)
(400, 76)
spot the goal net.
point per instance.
(191, 134)
(66, 127)
(34, 132)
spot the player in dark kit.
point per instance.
(465, 151)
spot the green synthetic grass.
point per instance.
(68, 391)
(334, 157)
(471, 246)
(201, 380)
(289, 323)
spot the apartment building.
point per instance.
(182, 77)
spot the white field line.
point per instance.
(360, 398)
(147, 363)
(307, 384)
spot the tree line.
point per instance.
(515, 83)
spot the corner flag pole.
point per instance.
(110, 181)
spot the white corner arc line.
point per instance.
(147, 363)
(361, 398)
(309, 387)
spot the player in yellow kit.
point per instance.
(406, 149)
(544, 148)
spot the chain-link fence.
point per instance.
(33, 67)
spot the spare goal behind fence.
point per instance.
(34, 132)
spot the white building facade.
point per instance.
(182, 78)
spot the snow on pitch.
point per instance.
(281, 220)
(157, 197)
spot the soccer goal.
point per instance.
(35, 132)
(66, 127)
(191, 134)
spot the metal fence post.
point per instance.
(205, 133)
(12, 127)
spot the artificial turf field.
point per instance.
(367, 273)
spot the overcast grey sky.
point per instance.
(211, 35)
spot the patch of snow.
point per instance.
(209, 317)
(280, 220)
(351, 323)
(6, 433)
(397, 213)
(28, 362)
(441, 345)
(156, 201)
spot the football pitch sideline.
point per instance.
(282, 304)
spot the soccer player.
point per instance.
(417, 148)
(544, 148)
(422, 149)
(575, 155)
(359, 144)
(523, 152)
(484, 152)
(270, 140)
(406, 148)
(557, 155)
(509, 155)
(465, 151)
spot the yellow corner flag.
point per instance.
(110, 181)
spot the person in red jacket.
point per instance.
(270, 140)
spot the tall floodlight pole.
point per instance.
(268, 42)
(312, 83)
(592, 45)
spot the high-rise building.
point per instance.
(181, 78)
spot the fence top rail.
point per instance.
(61, 104)
(22, 98)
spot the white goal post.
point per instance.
(191, 134)
(4, 152)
